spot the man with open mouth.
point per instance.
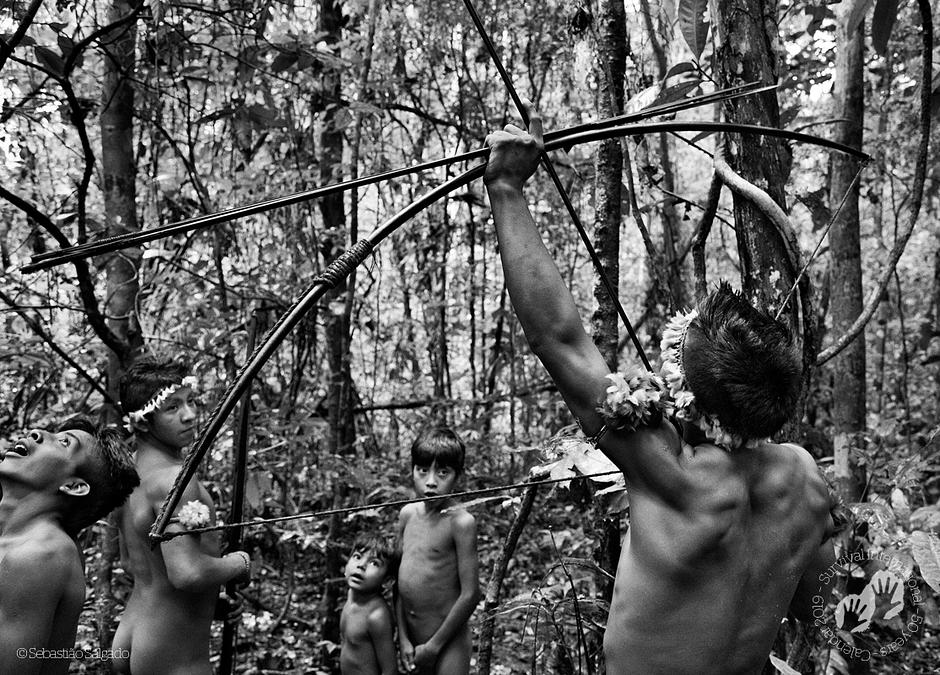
(54, 484)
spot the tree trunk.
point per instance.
(678, 295)
(746, 33)
(332, 244)
(848, 396)
(608, 165)
(495, 585)
(608, 181)
(118, 168)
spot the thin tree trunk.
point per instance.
(746, 33)
(118, 167)
(612, 53)
(848, 400)
(495, 586)
(341, 432)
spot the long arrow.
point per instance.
(54, 258)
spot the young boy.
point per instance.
(727, 529)
(166, 624)
(54, 485)
(366, 626)
(438, 583)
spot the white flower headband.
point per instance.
(157, 399)
(671, 348)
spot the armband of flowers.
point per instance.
(633, 400)
(193, 514)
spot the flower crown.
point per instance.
(632, 400)
(155, 401)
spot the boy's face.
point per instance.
(433, 480)
(44, 460)
(365, 571)
(175, 422)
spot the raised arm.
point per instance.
(189, 568)
(465, 541)
(552, 323)
(540, 297)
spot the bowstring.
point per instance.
(550, 169)
(310, 515)
(822, 238)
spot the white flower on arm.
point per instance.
(634, 399)
(193, 514)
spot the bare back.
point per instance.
(158, 614)
(702, 588)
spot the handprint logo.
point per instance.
(888, 590)
(854, 612)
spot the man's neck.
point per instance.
(20, 508)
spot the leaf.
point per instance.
(283, 61)
(693, 25)
(679, 68)
(926, 550)
(882, 23)
(675, 93)
(156, 10)
(642, 99)
(26, 40)
(782, 666)
(926, 518)
(49, 59)
(264, 116)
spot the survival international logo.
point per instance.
(880, 618)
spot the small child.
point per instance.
(365, 626)
(438, 582)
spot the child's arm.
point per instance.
(188, 568)
(383, 640)
(552, 324)
(465, 541)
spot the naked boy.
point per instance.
(438, 581)
(365, 625)
(166, 624)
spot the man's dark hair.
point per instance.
(742, 365)
(147, 376)
(441, 445)
(382, 546)
(110, 474)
